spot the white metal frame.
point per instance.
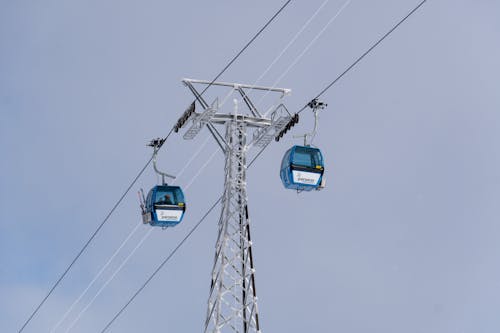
(232, 302)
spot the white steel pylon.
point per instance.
(232, 302)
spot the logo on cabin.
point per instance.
(307, 178)
(304, 179)
(168, 215)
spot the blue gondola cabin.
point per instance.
(302, 168)
(165, 206)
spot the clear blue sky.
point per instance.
(404, 239)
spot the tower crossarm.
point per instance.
(284, 91)
(222, 118)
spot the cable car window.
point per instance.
(178, 195)
(307, 157)
(285, 161)
(302, 159)
(169, 195)
(165, 197)
(317, 158)
(150, 197)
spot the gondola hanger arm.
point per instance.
(156, 144)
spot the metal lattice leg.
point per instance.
(232, 303)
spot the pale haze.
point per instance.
(405, 237)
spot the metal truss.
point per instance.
(232, 301)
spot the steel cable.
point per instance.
(365, 53)
(58, 281)
(251, 162)
(173, 251)
(87, 243)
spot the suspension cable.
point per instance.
(174, 250)
(120, 247)
(58, 281)
(87, 243)
(247, 45)
(162, 264)
(249, 165)
(124, 262)
(366, 53)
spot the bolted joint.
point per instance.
(316, 104)
(156, 143)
